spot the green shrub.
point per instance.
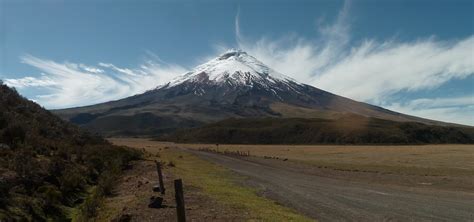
(88, 209)
(14, 134)
(72, 180)
(50, 195)
(52, 163)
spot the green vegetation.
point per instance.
(49, 168)
(220, 184)
(349, 129)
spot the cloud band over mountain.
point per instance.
(370, 71)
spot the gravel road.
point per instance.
(327, 199)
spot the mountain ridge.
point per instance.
(232, 85)
(235, 67)
(347, 130)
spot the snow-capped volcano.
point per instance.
(234, 67)
(232, 85)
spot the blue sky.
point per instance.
(415, 57)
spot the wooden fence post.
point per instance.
(178, 189)
(160, 177)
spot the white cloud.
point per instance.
(373, 72)
(457, 109)
(123, 71)
(370, 71)
(298, 57)
(69, 84)
(91, 69)
(30, 82)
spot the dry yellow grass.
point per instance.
(217, 182)
(409, 159)
(413, 159)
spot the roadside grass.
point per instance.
(451, 165)
(424, 160)
(418, 160)
(221, 185)
(94, 195)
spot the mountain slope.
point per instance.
(47, 164)
(351, 129)
(233, 85)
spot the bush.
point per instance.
(107, 179)
(24, 163)
(88, 209)
(4, 189)
(14, 134)
(51, 197)
(72, 180)
(3, 120)
(52, 163)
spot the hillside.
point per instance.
(232, 85)
(50, 169)
(349, 129)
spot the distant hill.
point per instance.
(48, 166)
(349, 129)
(232, 85)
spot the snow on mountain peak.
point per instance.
(234, 66)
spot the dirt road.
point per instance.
(328, 199)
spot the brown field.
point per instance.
(437, 160)
(212, 192)
(337, 181)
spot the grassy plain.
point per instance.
(216, 182)
(442, 166)
(411, 159)
(430, 168)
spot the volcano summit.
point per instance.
(233, 85)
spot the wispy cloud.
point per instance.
(368, 70)
(456, 109)
(298, 57)
(44, 81)
(70, 84)
(371, 71)
(375, 71)
(238, 35)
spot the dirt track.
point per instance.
(328, 199)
